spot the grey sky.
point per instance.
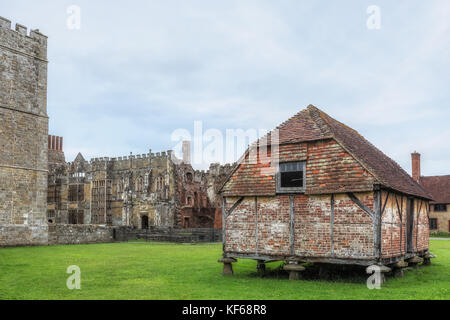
(138, 70)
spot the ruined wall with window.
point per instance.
(141, 191)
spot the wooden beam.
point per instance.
(385, 202)
(256, 225)
(352, 196)
(332, 226)
(224, 211)
(291, 224)
(377, 223)
(234, 206)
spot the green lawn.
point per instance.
(141, 270)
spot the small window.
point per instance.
(440, 207)
(291, 177)
(433, 223)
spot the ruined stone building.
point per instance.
(325, 195)
(154, 189)
(23, 135)
(439, 188)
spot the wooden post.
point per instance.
(377, 224)
(224, 217)
(332, 225)
(291, 225)
(256, 225)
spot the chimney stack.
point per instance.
(186, 149)
(415, 158)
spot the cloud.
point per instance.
(136, 72)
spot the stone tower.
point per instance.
(23, 136)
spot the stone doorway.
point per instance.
(144, 222)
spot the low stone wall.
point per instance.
(168, 234)
(79, 233)
(23, 235)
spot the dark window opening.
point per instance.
(291, 177)
(433, 223)
(440, 207)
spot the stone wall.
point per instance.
(78, 234)
(165, 234)
(23, 235)
(23, 135)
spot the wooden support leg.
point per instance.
(426, 261)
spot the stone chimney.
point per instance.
(415, 158)
(186, 149)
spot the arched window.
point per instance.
(140, 184)
(160, 183)
(189, 177)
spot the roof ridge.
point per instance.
(438, 176)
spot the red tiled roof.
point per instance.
(312, 124)
(438, 187)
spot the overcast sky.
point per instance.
(138, 70)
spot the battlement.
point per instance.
(140, 160)
(20, 40)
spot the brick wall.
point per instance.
(394, 225)
(352, 228)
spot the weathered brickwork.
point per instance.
(240, 231)
(273, 225)
(353, 232)
(23, 135)
(314, 226)
(330, 169)
(395, 224)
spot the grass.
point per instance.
(146, 270)
(440, 235)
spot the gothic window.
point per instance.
(139, 184)
(189, 177)
(160, 183)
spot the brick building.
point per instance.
(23, 135)
(141, 191)
(320, 192)
(439, 189)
